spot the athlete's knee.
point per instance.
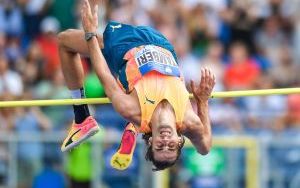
(63, 37)
(60, 38)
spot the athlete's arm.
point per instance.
(126, 105)
(199, 128)
(195, 132)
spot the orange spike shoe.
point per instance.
(123, 157)
(79, 133)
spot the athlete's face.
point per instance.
(165, 143)
(165, 140)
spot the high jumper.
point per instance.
(139, 71)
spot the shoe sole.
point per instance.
(121, 166)
(91, 133)
(116, 164)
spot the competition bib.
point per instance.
(156, 58)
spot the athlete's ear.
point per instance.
(180, 140)
(150, 141)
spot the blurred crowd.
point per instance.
(249, 44)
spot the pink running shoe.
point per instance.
(79, 133)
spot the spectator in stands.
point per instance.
(31, 66)
(223, 117)
(212, 13)
(291, 119)
(13, 51)
(29, 121)
(49, 177)
(214, 61)
(242, 72)
(3, 39)
(7, 120)
(7, 116)
(296, 38)
(286, 72)
(4, 158)
(264, 112)
(47, 41)
(270, 38)
(54, 88)
(10, 18)
(199, 29)
(10, 81)
(241, 22)
(123, 11)
(188, 62)
(33, 13)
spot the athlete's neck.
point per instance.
(163, 116)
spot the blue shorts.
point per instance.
(119, 38)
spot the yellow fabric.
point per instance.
(154, 87)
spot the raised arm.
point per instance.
(199, 128)
(123, 103)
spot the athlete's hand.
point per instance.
(203, 91)
(89, 16)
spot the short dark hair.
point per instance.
(160, 165)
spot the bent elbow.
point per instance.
(205, 149)
(126, 114)
(124, 111)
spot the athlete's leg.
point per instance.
(73, 40)
(85, 125)
(71, 44)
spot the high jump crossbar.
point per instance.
(222, 94)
